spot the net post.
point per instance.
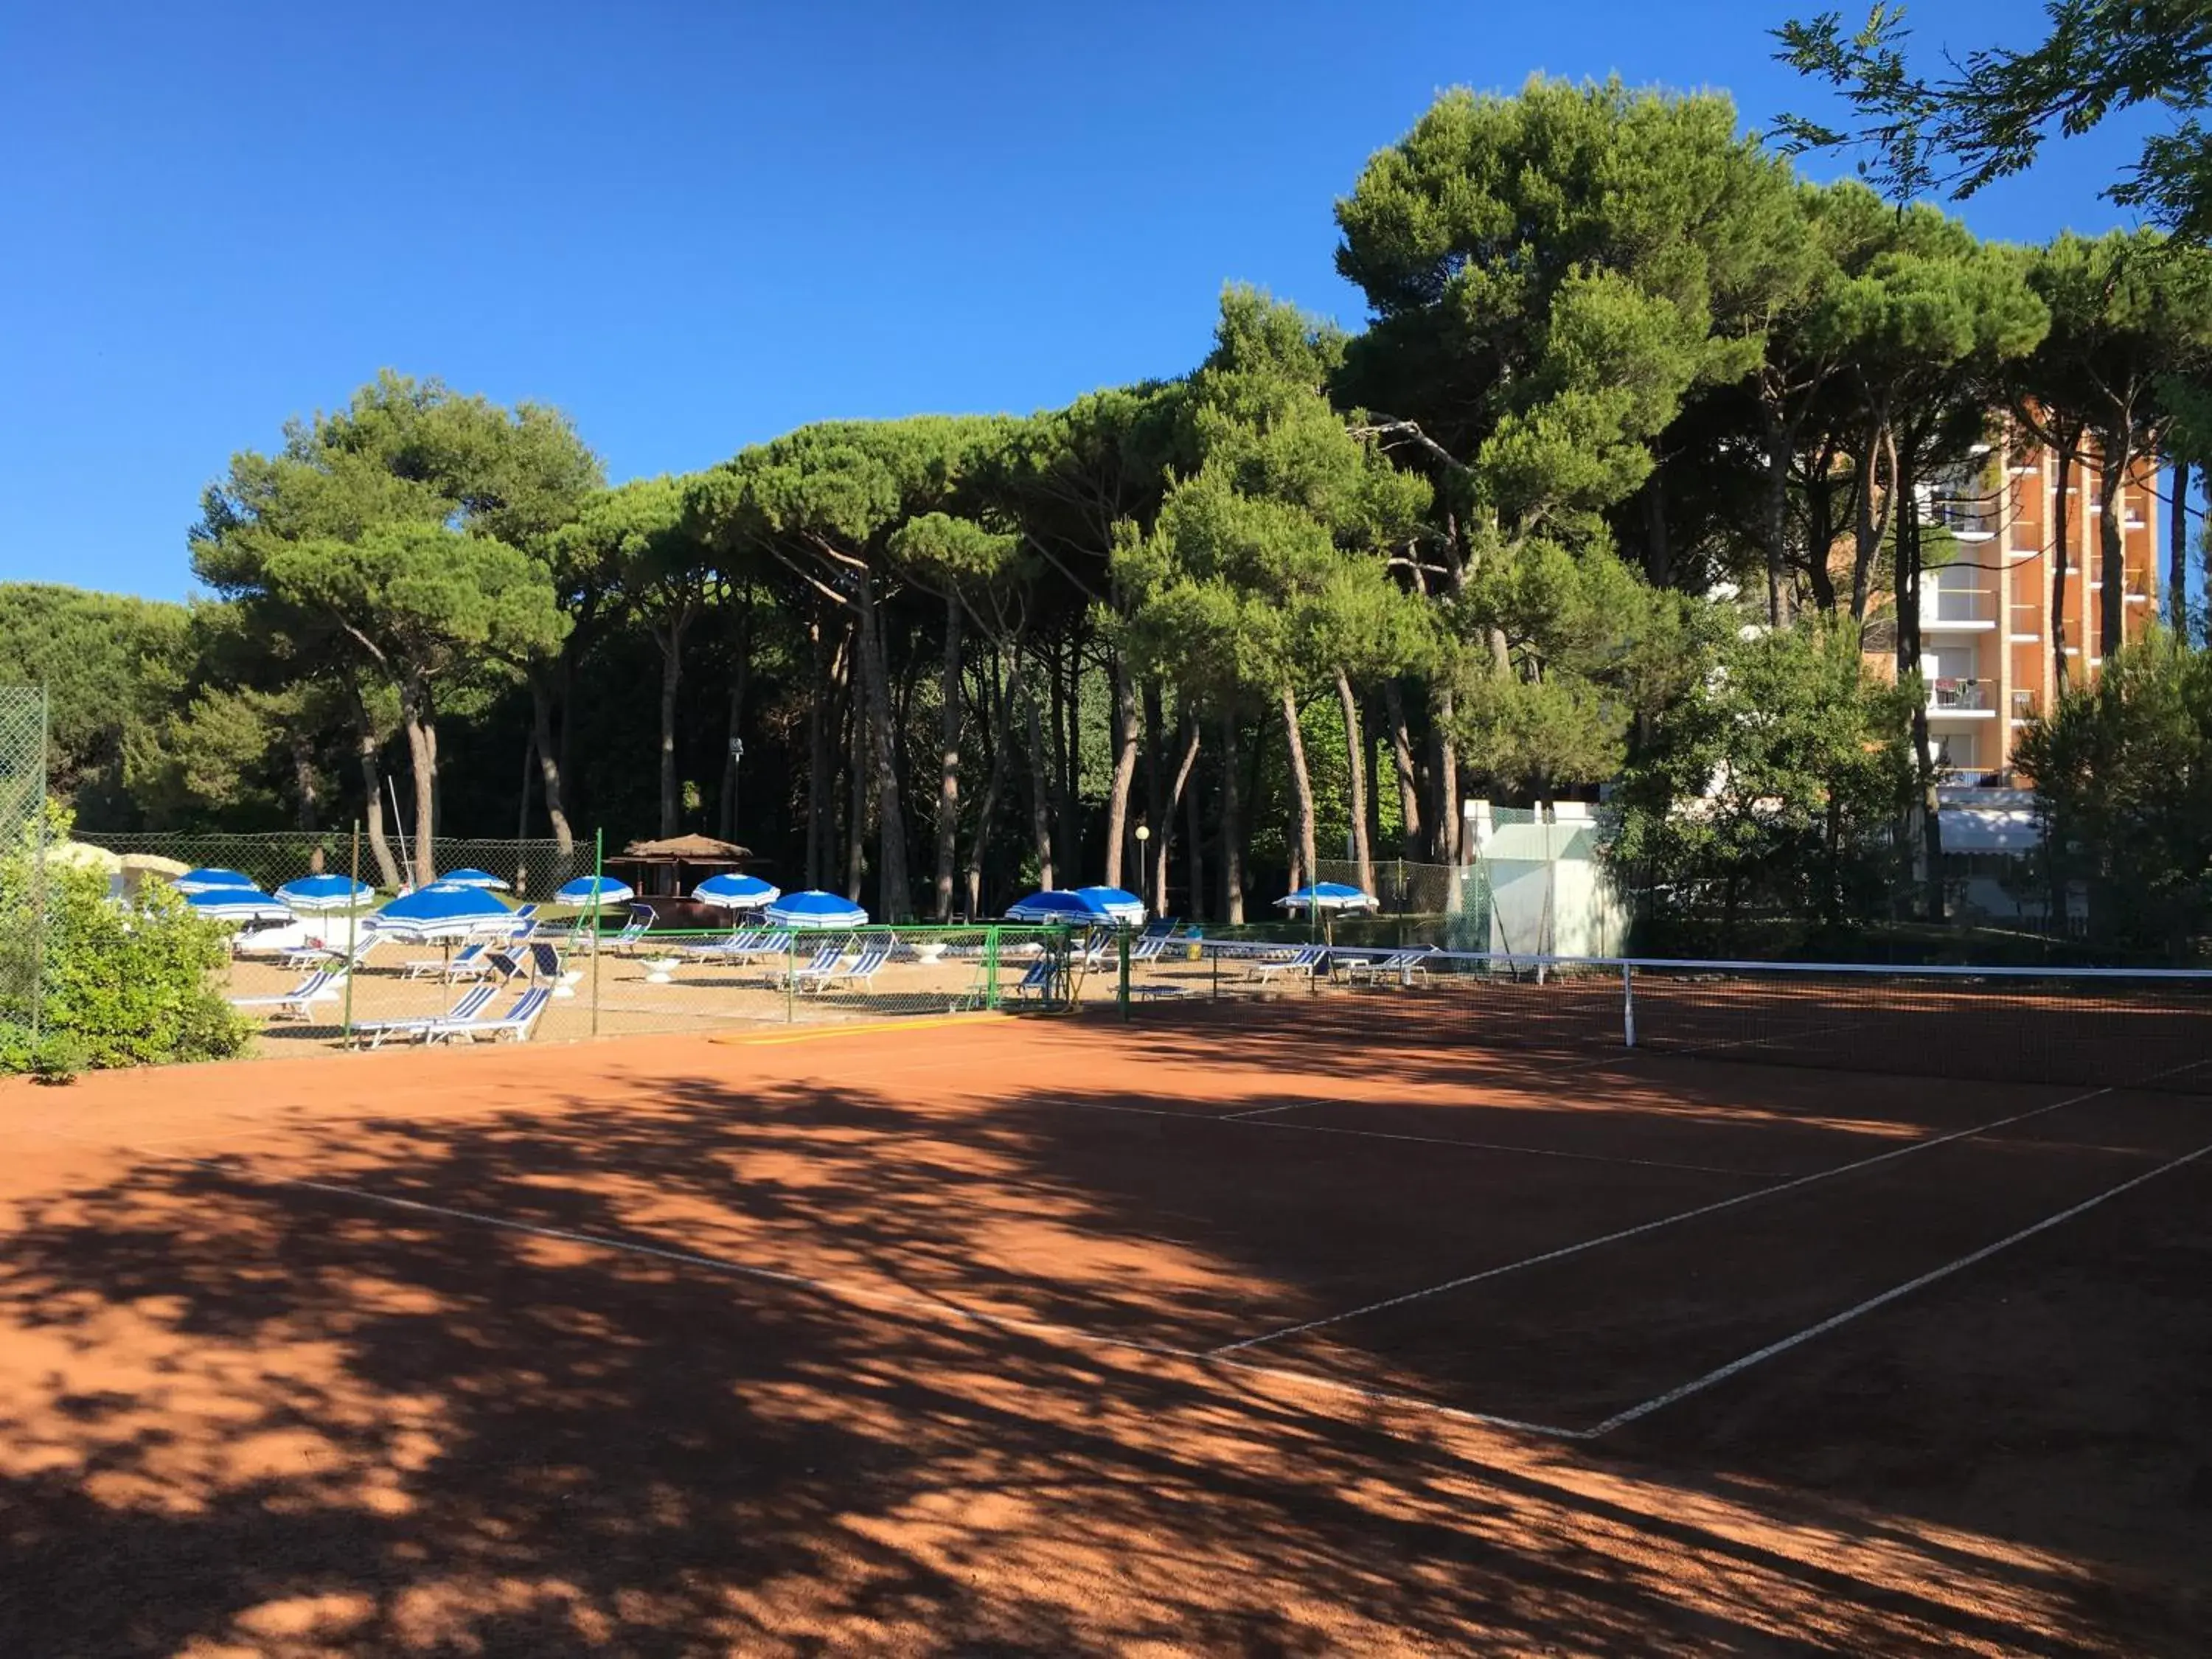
(1628, 1004)
(353, 921)
(598, 866)
(1121, 945)
(38, 877)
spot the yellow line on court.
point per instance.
(813, 1033)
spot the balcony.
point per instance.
(1963, 699)
(1970, 518)
(1960, 610)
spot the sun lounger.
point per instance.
(326, 985)
(467, 965)
(1302, 964)
(1400, 965)
(865, 968)
(824, 962)
(377, 1032)
(517, 1022)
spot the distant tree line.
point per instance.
(1631, 448)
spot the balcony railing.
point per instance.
(1960, 605)
(1964, 517)
(2025, 704)
(1959, 696)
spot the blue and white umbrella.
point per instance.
(1330, 898)
(735, 892)
(1117, 904)
(236, 904)
(814, 909)
(442, 910)
(1055, 905)
(208, 879)
(580, 891)
(473, 877)
(314, 895)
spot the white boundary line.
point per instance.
(931, 1309)
(1614, 1237)
(1736, 1367)
(1262, 1111)
(1246, 1120)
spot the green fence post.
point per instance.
(790, 981)
(599, 862)
(353, 920)
(1122, 942)
(991, 966)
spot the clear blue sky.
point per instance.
(696, 226)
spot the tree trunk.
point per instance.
(549, 762)
(897, 900)
(1187, 732)
(1302, 796)
(856, 812)
(1194, 837)
(1658, 552)
(1401, 756)
(1232, 848)
(2112, 613)
(1871, 525)
(422, 751)
(1157, 805)
(948, 760)
(740, 686)
(1908, 660)
(999, 707)
(302, 743)
(1447, 821)
(1779, 453)
(669, 637)
(1355, 749)
(2059, 550)
(2177, 553)
(1124, 693)
(1068, 838)
(522, 804)
(372, 779)
(1041, 788)
(1820, 535)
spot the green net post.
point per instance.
(598, 866)
(1121, 950)
(38, 879)
(991, 966)
(353, 921)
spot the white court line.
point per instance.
(1262, 1111)
(1566, 1250)
(1736, 1367)
(1243, 1119)
(931, 1309)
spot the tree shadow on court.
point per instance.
(349, 1416)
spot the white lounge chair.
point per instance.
(1400, 965)
(468, 963)
(517, 1022)
(869, 963)
(1302, 964)
(377, 1032)
(325, 985)
(824, 962)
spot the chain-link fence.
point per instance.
(23, 854)
(526, 869)
(567, 975)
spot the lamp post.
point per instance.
(1144, 864)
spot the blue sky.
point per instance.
(696, 226)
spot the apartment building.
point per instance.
(1985, 625)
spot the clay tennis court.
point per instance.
(1313, 1327)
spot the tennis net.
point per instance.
(2091, 1027)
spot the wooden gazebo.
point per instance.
(664, 873)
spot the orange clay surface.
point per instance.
(995, 1335)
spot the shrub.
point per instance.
(123, 984)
